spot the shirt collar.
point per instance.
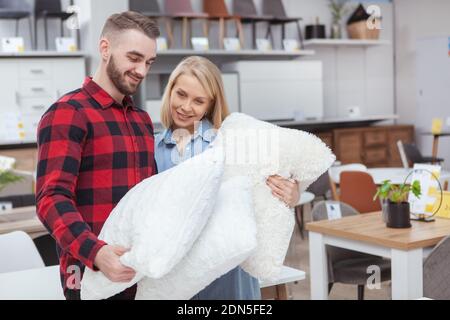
(102, 97)
(200, 131)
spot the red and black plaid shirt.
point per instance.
(91, 151)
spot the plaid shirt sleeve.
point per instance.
(62, 133)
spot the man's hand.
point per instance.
(286, 190)
(107, 260)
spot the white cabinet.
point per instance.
(29, 85)
(280, 90)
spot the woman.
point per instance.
(194, 106)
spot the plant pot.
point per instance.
(398, 215)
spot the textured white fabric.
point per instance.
(259, 149)
(227, 240)
(159, 219)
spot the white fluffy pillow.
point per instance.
(259, 149)
(159, 219)
(227, 240)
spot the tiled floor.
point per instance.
(298, 257)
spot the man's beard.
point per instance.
(118, 79)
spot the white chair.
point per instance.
(18, 252)
(335, 173)
(401, 150)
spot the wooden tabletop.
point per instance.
(23, 219)
(370, 228)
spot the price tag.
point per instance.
(333, 210)
(13, 45)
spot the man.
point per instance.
(93, 146)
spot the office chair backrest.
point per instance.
(357, 190)
(401, 151)
(413, 153)
(321, 186)
(18, 252)
(274, 8)
(47, 5)
(215, 7)
(436, 273)
(144, 6)
(244, 7)
(178, 6)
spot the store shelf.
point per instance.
(344, 42)
(42, 54)
(237, 54)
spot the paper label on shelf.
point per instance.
(66, 45)
(13, 45)
(232, 44)
(263, 45)
(12, 127)
(333, 210)
(161, 44)
(291, 45)
(200, 43)
(5, 206)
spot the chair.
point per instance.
(276, 9)
(357, 189)
(401, 151)
(151, 9)
(436, 275)
(49, 9)
(18, 253)
(321, 187)
(246, 10)
(335, 173)
(182, 10)
(16, 10)
(415, 156)
(217, 10)
(347, 266)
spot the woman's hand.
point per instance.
(285, 190)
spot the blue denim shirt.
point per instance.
(236, 284)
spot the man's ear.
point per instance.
(104, 48)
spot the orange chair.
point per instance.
(217, 10)
(357, 189)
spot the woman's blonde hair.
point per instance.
(210, 78)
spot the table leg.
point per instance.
(407, 274)
(435, 147)
(282, 292)
(318, 267)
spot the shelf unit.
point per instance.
(344, 42)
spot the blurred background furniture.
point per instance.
(414, 155)
(18, 252)
(436, 274)
(16, 10)
(217, 10)
(246, 10)
(334, 174)
(305, 197)
(347, 266)
(151, 9)
(182, 10)
(357, 189)
(401, 151)
(276, 9)
(436, 137)
(49, 9)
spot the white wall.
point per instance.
(417, 19)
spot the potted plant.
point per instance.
(395, 202)
(338, 9)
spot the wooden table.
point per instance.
(436, 137)
(277, 288)
(368, 233)
(22, 219)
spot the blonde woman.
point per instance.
(193, 106)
